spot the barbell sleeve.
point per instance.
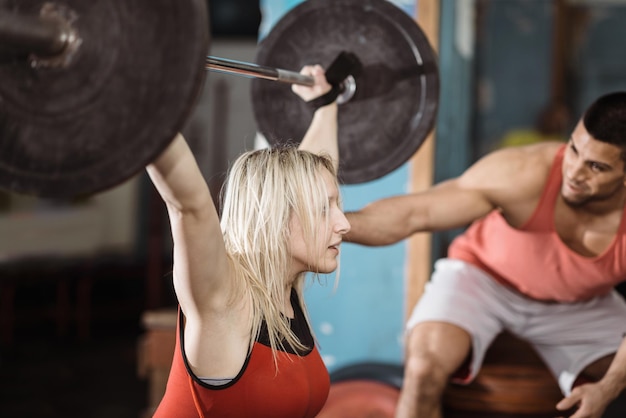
(257, 71)
(32, 34)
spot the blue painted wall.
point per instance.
(362, 319)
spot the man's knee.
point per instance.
(427, 373)
(435, 350)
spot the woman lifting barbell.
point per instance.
(244, 345)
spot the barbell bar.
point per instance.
(347, 86)
(91, 92)
(50, 35)
(247, 69)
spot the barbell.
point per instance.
(91, 92)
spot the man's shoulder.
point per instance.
(522, 173)
(540, 154)
(523, 167)
(546, 148)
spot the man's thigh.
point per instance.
(458, 303)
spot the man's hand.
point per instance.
(591, 400)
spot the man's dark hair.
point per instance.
(605, 119)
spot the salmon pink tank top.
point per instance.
(534, 260)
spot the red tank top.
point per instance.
(298, 390)
(534, 260)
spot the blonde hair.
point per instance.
(263, 190)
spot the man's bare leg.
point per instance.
(434, 351)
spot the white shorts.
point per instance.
(567, 336)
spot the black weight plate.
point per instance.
(397, 92)
(93, 123)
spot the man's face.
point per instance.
(592, 170)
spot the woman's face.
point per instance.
(323, 257)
